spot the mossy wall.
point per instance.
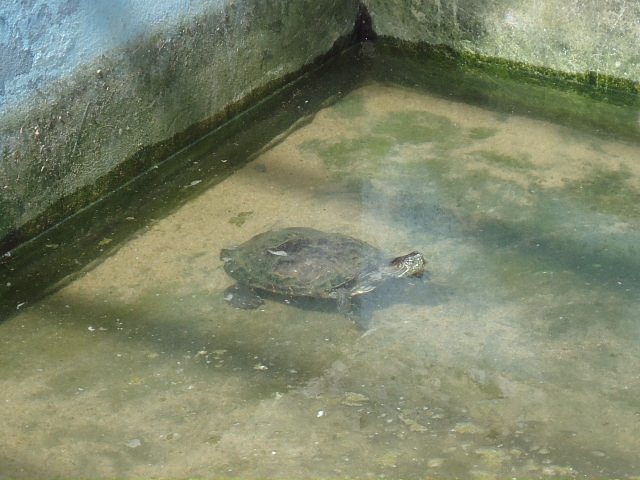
(78, 136)
(573, 36)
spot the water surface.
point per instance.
(518, 357)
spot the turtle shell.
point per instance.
(302, 262)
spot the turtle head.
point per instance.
(410, 265)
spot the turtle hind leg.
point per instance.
(243, 297)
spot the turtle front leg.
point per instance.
(344, 300)
(346, 308)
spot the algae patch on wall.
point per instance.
(575, 36)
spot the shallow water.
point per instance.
(518, 357)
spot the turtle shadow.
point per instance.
(412, 291)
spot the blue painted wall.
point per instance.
(43, 40)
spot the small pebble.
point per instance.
(134, 443)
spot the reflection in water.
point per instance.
(516, 358)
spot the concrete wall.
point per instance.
(573, 36)
(42, 41)
(89, 86)
(95, 91)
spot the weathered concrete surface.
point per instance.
(43, 40)
(573, 36)
(86, 91)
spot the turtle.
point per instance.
(304, 262)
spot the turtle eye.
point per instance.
(415, 264)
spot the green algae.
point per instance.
(599, 104)
(353, 106)
(482, 133)
(417, 127)
(503, 160)
(609, 191)
(240, 218)
(344, 151)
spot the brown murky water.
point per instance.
(517, 358)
